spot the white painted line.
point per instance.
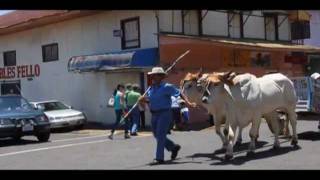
(52, 147)
(71, 139)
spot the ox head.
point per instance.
(213, 85)
(189, 86)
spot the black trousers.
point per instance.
(176, 118)
(142, 120)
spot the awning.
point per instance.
(134, 59)
(254, 45)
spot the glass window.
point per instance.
(9, 58)
(131, 33)
(50, 52)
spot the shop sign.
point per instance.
(21, 71)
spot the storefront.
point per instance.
(213, 54)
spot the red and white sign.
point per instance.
(22, 71)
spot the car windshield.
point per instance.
(14, 103)
(51, 106)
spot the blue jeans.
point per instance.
(160, 122)
(119, 112)
(134, 118)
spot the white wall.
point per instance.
(284, 29)
(191, 23)
(235, 26)
(254, 27)
(170, 21)
(82, 36)
(215, 23)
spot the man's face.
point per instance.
(157, 78)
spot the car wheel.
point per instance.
(17, 137)
(79, 127)
(43, 137)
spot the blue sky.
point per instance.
(4, 11)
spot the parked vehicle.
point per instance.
(18, 118)
(61, 115)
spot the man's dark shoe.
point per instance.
(157, 162)
(134, 134)
(110, 136)
(126, 136)
(175, 151)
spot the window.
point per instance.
(300, 30)
(130, 33)
(50, 52)
(190, 22)
(234, 25)
(271, 27)
(9, 58)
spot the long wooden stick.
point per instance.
(144, 94)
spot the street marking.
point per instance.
(67, 145)
(70, 139)
(52, 147)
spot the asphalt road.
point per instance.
(91, 149)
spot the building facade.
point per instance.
(79, 57)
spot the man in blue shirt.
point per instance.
(159, 99)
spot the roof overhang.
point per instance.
(45, 20)
(252, 45)
(121, 61)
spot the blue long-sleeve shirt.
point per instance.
(160, 96)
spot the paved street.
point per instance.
(91, 149)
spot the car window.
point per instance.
(14, 103)
(51, 106)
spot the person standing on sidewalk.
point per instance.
(134, 116)
(159, 99)
(119, 108)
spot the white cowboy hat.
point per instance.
(315, 75)
(157, 70)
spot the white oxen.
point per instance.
(194, 93)
(244, 99)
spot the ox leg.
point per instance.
(293, 121)
(239, 138)
(231, 130)
(286, 130)
(217, 123)
(254, 134)
(273, 119)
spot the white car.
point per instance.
(60, 115)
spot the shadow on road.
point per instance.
(239, 160)
(173, 162)
(12, 142)
(309, 135)
(242, 147)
